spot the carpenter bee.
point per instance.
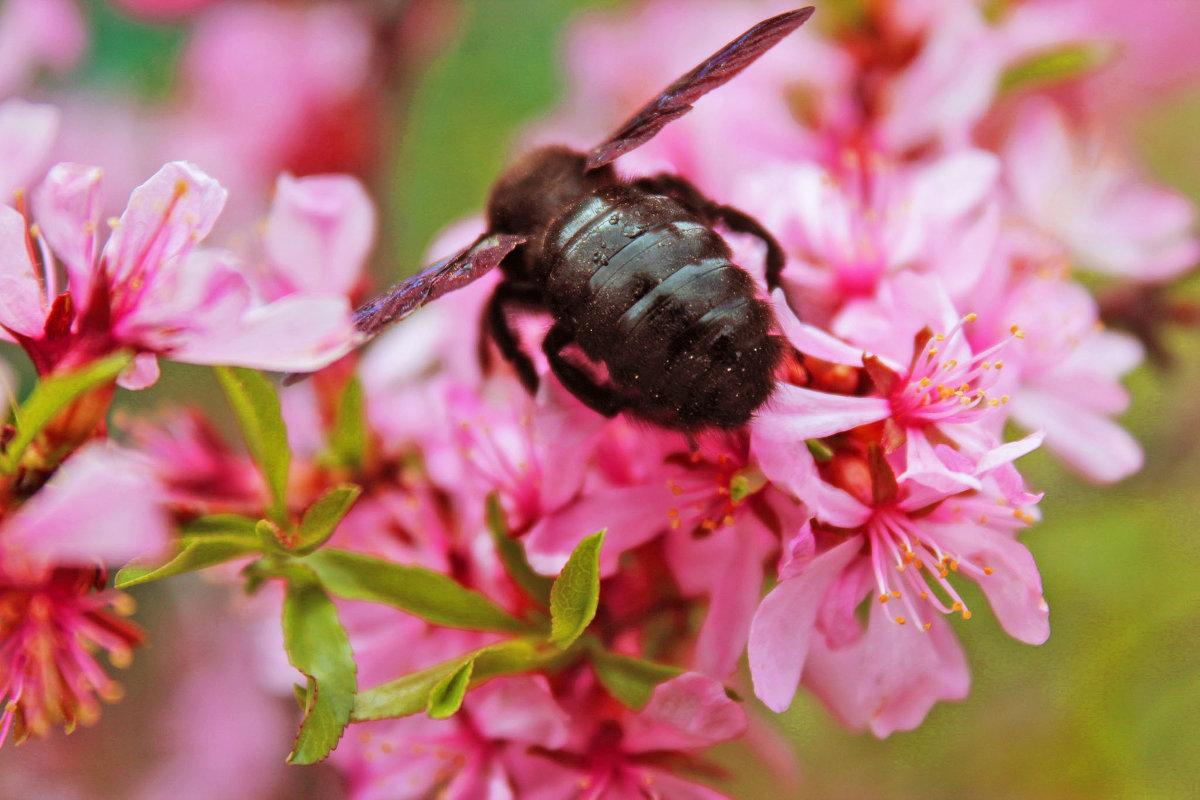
(650, 317)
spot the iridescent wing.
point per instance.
(405, 297)
(676, 100)
(445, 276)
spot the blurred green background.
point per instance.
(1108, 708)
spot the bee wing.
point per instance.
(676, 100)
(405, 297)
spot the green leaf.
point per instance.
(193, 554)
(348, 436)
(576, 592)
(204, 543)
(512, 555)
(411, 694)
(630, 680)
(446, 697)
(404, 696)
(256, 406)
(51, 395)
(317, 645)
(424, 593)
(1055, 66)
(322, 517)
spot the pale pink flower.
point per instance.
(27, 134)
(1076, 188)
(36, 34)
(59, 524)
(272, 88)
(147, 288)
(863, 218)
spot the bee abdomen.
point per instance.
(650, 291)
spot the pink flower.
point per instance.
(147, 288)
(462, 758)
(36, 34)
(49, 634)
(898, 543)
(276, 88)
(54, 613)
(618, 755)
(27, 134)
(1073, 186)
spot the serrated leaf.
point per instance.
(322, 517)
(194, 554)
(410, 694)
(51, 395)
(348, 436)
(630, 680)
(446, 697)
(1055, 66)
(317, 645)
(512, 555)
(255, 404)
(576, 592)
(424, 593)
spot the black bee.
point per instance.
(632, 273)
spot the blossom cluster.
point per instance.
(508, 594)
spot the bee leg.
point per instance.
(737, 221)
(601, 399)
(509, 293)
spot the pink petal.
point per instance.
(519, 709)
(37, 33)
(166, 216)
(102, 504)
(891, 677)
(810, 340)
(67, 207)
(732, 604)
(794, 413)
(297, 333)
(27, 133)
(783, 627)
(688, 711)
(319, 233)
(1093, 444)
(22, 299)
(1014, 589)
(790, 466)
(142, 373)
(632, 515)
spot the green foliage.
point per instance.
(630, 680)
(446, 696)
(1054, 66)
(415, 693)
(211, 541)
(576, 592)
(348, 436)
(429, 595)
(321, 519)
(512, 555)
(51, 395)
(317, 645)
(256, 406)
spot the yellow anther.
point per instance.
(971, 317)
(924, 382)
(1017, 332)
(901, 621)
